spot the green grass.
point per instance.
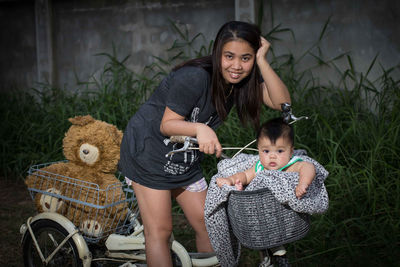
(353, 131)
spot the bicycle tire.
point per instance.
(48, 233)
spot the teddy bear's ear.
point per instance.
(81, 120)
(116, 134)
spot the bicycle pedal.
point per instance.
(278, 251)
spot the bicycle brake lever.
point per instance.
(187, 141)
(294, 119)
(286, 112)
(184, 148)
(288, 116)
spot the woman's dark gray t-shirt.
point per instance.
(185, 91)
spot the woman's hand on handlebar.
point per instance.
(208, 140)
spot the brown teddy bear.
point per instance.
(86, 180)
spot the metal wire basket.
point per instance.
(96, 211)
(259, 221)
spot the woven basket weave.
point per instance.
(259, 221)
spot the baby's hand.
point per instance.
(301, 189)
(222, 181)
(239, 185)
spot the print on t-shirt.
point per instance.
(189, 156)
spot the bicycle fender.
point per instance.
(83, 250)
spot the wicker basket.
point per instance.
(259, 221)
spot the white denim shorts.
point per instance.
(198, 186)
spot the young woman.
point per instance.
(193, 100)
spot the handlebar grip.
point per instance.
(178, 138)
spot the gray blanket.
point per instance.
(281, 184)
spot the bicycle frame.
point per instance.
(119, 247)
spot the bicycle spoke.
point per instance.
(52, 239)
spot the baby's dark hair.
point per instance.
(275, 128)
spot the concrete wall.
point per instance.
(78, 30)
(363, 28)
(17, 44)
(134, 28)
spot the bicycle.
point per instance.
(51, 239)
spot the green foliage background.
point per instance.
(353, 131)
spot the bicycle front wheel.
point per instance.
(49, 236)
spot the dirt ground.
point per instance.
(17, 206)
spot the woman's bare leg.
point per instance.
(192, 204)
(155, 211)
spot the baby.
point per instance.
(275, 148)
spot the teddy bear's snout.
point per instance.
(89, 153)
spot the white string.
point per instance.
(245, 147)
(227, 148)
(241, 148)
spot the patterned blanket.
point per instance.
(282, 185)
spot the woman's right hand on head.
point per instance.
(262, 51)
(208, 140)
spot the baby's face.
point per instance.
(274, 156)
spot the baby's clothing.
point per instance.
(293, 160)
(281, 184)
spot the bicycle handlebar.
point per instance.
(288, 116)
(182, 139)
(187, 141)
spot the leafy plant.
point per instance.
(353, 131)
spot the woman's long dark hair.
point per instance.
(247, 93)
